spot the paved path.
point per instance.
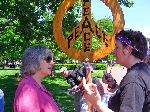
(118, 73)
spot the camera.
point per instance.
(74, 77)
(108, 77)
(78, 72)
(82, 71)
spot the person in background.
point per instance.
(1, 101)
(31, 95)
(17, 76)
(132, 95)
(147, 60)
(105, 95)
(84, 103)
(74, 78)
(100, 87)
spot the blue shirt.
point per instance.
(1, 101)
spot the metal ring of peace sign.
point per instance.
(85, 28)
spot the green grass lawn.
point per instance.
(56, 85)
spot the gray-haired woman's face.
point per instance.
(46, 65)
(37, 59)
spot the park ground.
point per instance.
(57, 85)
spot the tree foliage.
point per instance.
(29, 22)
(127, 3)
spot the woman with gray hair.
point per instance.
(31, 95)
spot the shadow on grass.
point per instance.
(56, 85)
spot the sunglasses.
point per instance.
(48, 59)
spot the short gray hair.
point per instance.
(31, 58)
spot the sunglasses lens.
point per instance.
(48, 59)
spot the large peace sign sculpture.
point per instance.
(85, 28)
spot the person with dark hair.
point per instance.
(31, 95)
(74, 78)
(133, 93)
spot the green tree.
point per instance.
(28, 22)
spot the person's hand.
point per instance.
(88, 69)
(91, 93)
(65, 73)
(74, 88)
(107, 78)
(100, 89)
